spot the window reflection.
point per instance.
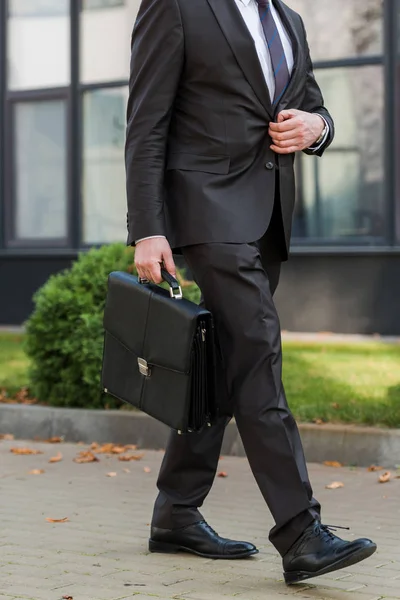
(113, 23)
(104, 196)
(340, 197)
(38, 44)
(342, 28)
(40, 169)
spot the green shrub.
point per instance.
(65, 332)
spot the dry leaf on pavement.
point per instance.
(113, 474)
(147, 469)
(7, 437)
(64, 520)
(318, 421)
(131, 447)
(56, 458)
(332, 463)
(54, 440)
(126, 470)
(109, 449)
(36, 472)
(25, 451)
(374, 468)
(385, 477)
(126, 457)
(222, 474)
(334, 485)
(85, 456)
(66, 597)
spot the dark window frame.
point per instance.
(3, 49)
(10, 204)
(390, 144)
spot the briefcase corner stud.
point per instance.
(144, 367)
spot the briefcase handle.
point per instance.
(175, 289)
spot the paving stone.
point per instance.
(102, 553)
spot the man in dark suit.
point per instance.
(222, 95)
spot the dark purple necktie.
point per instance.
(274, 43)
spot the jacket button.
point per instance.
(269, 166)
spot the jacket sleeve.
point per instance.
(156, 64)
(314, 101)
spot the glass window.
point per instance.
(342, 28)
(96, 4)
(109, 20)
(397, 125)
(38, 44)
(104, 196)
(40, 170)
(340, 197)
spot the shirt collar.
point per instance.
(245, 2)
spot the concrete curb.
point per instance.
(351, 445)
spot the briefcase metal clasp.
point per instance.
(144, 367)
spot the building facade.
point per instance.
(64, 67)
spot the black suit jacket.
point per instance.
(198, 158)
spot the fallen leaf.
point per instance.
(126, 470)
(64, 520)
(332, 463)
(336, 406)
(126, 457)
(85, 456)
(318, 421)
(109, 449)
(131, 447)
(25, 451)
(66, 597)
(113, 474)
(147, 469)
(334, 485)
(36, 472)
(7, 437)
(54, 440)
(222, 474)
(385, 477)
(374, 468)
(56, 458)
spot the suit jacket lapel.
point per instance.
(242, 45)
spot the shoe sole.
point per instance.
(362, 554)
(166, 548)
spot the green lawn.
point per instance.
(13, 363)
(353, 383)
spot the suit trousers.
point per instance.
(238, 282)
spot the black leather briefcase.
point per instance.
(159, 352)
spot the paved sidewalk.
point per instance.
(101, 552)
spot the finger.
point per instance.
(289, 150)
(284, 135)
(286, 125)
(155, 273)
(142, 274)
(295, 141)
(287, 114)
(169, 262)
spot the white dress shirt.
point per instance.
(249, 11)
(251, 16)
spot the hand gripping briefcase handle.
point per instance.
(175, 289)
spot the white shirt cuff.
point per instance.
(150, 237)
(322, 142)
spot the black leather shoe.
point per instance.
(319, 551)
(198, 539)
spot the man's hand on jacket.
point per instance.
(149, 255)
(295, 130)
